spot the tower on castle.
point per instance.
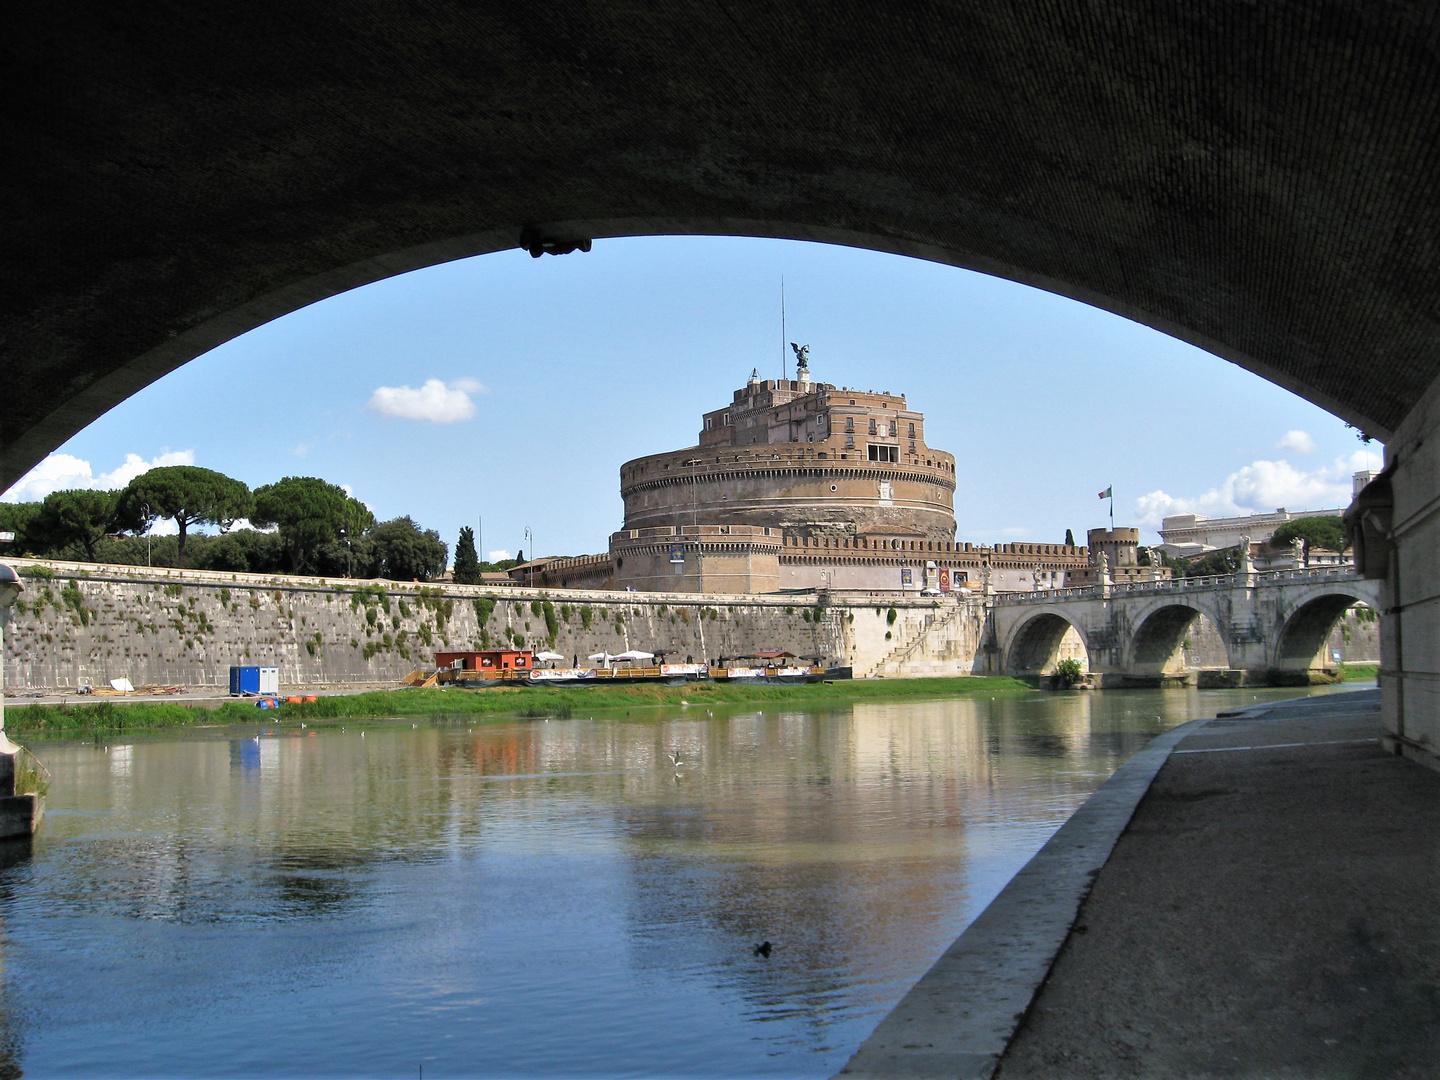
(808, 458)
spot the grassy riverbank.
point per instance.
(33, 720)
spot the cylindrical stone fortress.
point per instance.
(804, 457)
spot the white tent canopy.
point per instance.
(635, 654)
(550, 656)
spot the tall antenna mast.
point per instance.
(783, 366)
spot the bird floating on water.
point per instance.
(763, 949)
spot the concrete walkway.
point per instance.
(1271, 910)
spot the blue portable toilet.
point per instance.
(244, 680)
(254, 679)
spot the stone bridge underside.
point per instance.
(1257, 178)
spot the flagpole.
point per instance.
(1112, 508)
(784, 367)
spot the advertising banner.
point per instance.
(561, 674)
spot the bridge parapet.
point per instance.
(1259, 579)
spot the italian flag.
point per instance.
(1106, 493)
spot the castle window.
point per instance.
(894, 429)
(881, 452)
(849, 442)
(872, 425)
(912, 431)
(849, 423)
(912, 446)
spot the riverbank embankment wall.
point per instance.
(85, 624)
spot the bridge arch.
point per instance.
(1041, 642)
(1157, 645)
(1302, 636)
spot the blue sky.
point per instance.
(512, 389)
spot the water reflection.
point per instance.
(542, 898)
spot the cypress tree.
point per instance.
(1069, 538)
(467, 562)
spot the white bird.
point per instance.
(674, 756)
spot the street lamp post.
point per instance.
(530, 543)
(349, 552)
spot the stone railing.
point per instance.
(1258, 579)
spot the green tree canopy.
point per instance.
(467, 560)
(309, 512)
(242, 550)
(19, 518)
(1225, 561)
(408, 553)
(1069, 538)
(77, 518)
(1326, 532)
(187, 493)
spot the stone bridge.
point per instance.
(1274, 621)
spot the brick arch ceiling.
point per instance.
(1255, 177)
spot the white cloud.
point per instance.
(246, 525)
(1299, 441)
(1261, 487)
(497, 556)
(1015, 531)
(63, 472)
(470, 386)
(434, 401)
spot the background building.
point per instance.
(1188, 535)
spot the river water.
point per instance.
(531, 898)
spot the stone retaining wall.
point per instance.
(80, 623)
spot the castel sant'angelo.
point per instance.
(802, 485)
